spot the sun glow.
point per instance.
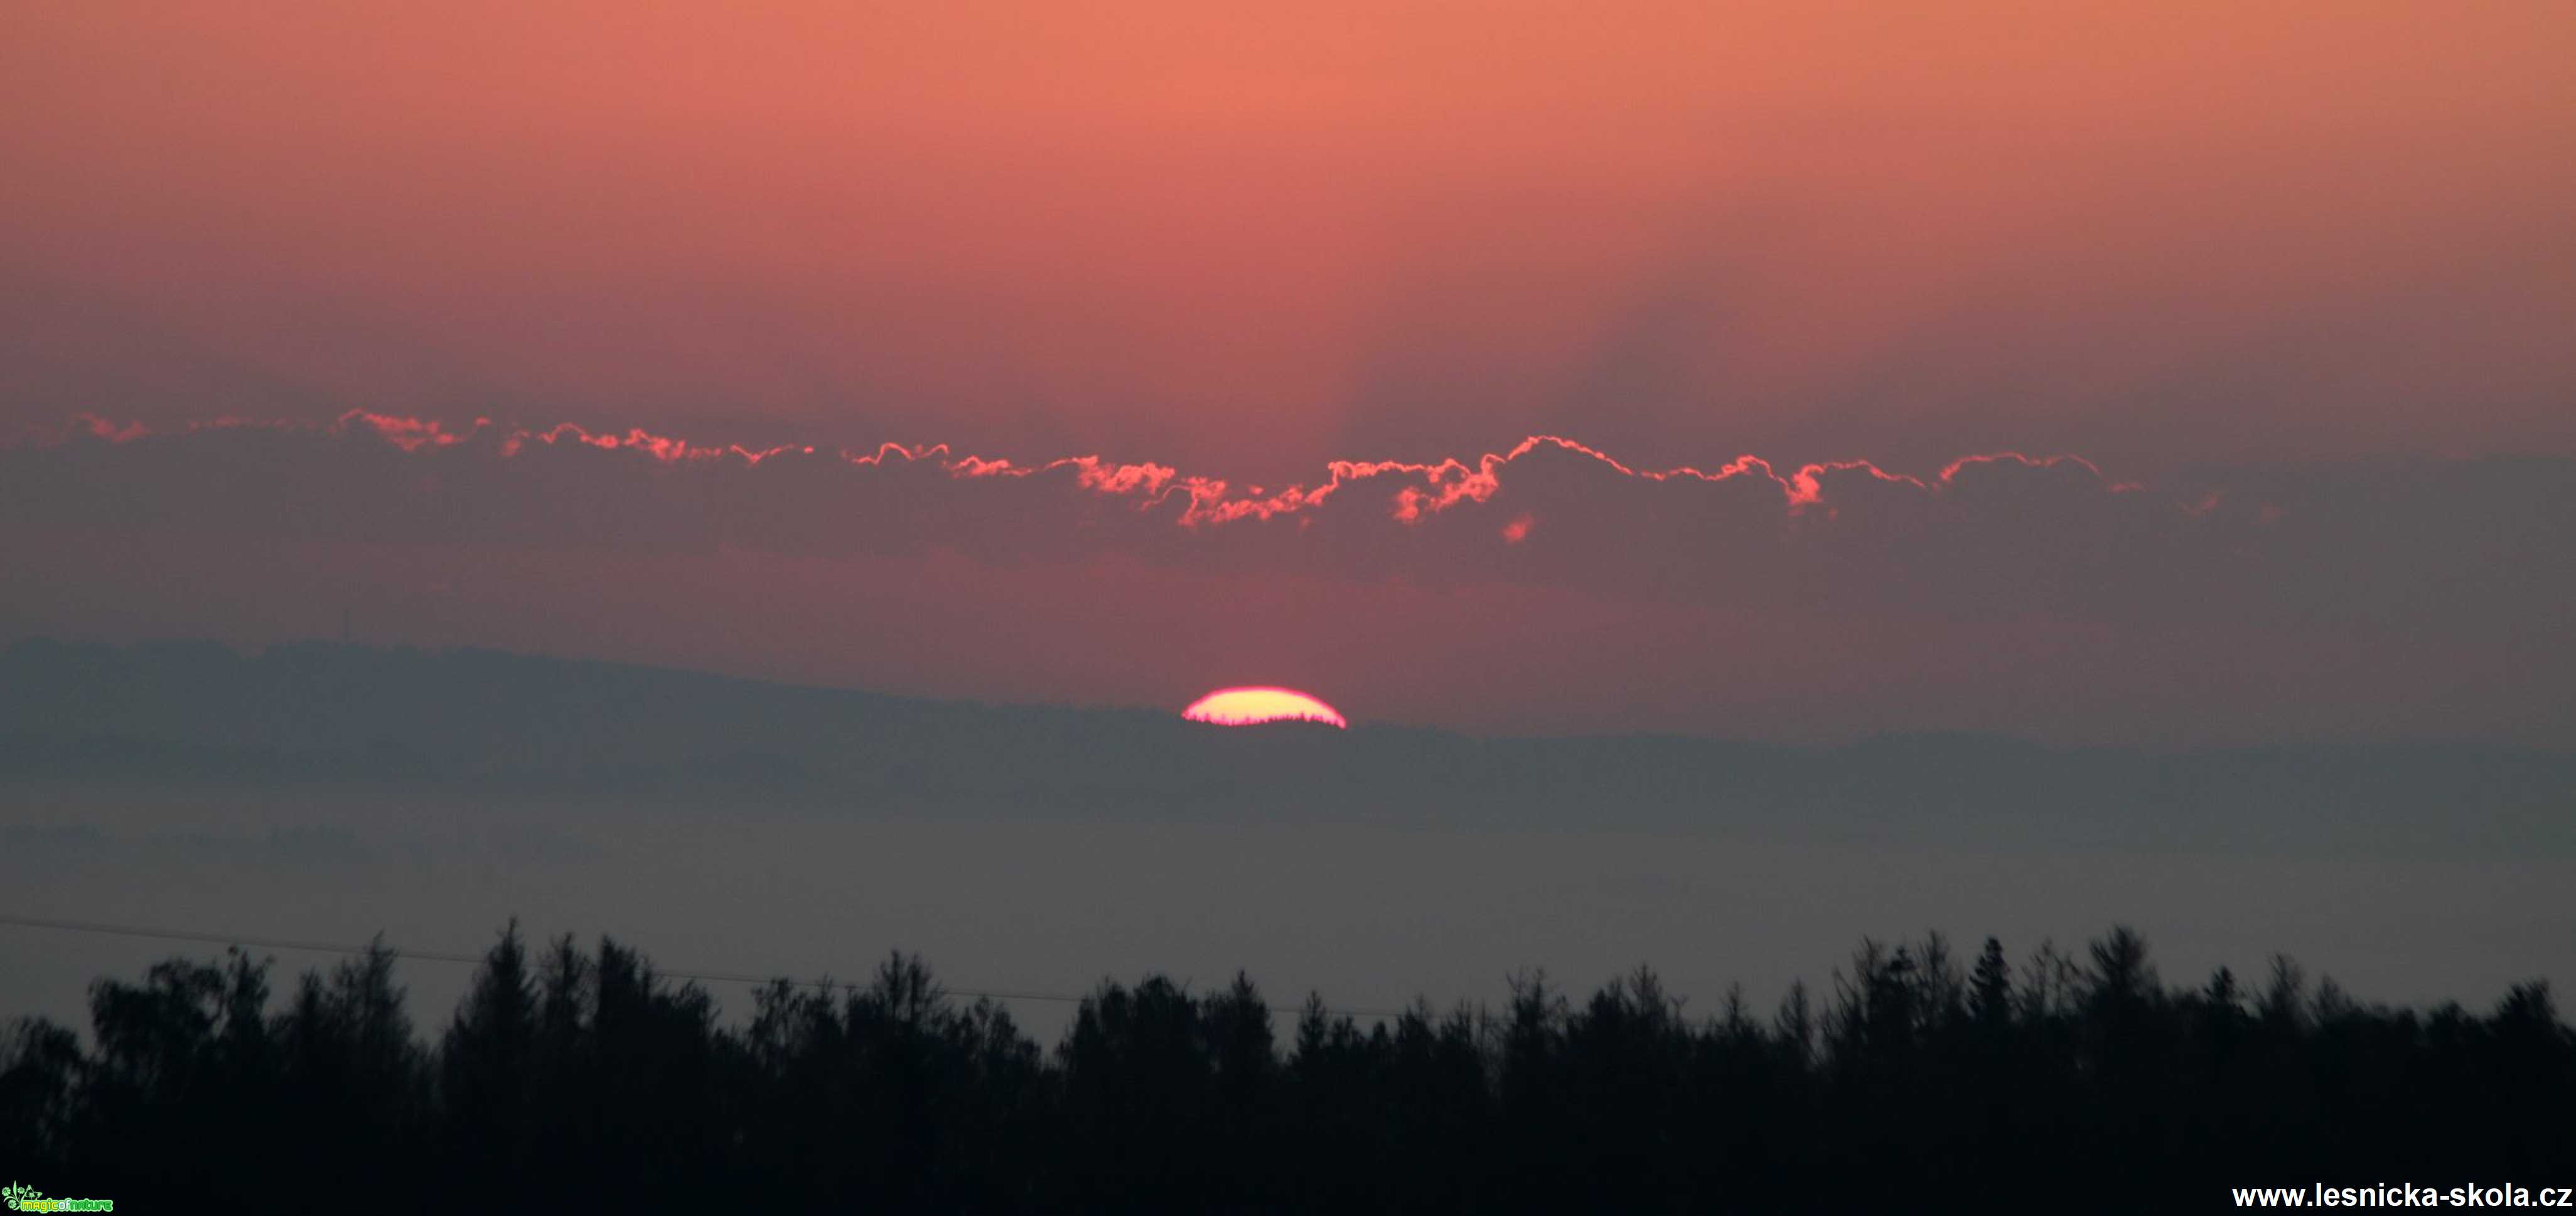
(1250, 706)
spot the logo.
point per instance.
(23, 1198)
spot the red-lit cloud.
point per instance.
(1511, 588)
(1419, 490)
(1989, 534)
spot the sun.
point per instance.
(1251, 706)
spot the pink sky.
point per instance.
(1259, 238)
(2283, 254)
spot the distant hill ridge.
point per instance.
(529, 725)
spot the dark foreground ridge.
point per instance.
(1916, 1082)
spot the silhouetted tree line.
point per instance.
(1917, 1081)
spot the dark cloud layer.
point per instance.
(2463, 562)
(1990, 536)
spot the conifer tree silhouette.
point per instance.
(584, 1079)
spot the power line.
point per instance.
(441, 956)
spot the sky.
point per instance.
(2158, 373)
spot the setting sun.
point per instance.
(1251, 706)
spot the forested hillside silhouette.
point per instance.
(1914, 1079)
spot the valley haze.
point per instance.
(328, 790)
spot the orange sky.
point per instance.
(1249, 239)
(2296, 279)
